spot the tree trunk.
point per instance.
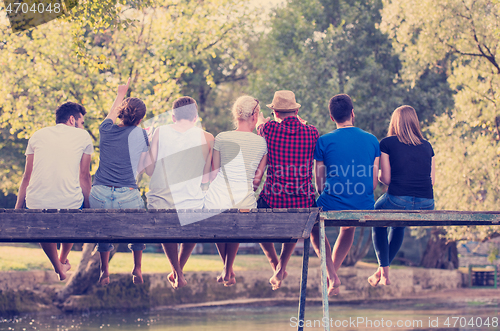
(358, 249)
(87, 274)
(440, 253)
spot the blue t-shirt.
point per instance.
(120, 151)
(348, 154)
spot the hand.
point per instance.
(122, 89)
(262, 120)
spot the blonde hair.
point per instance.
(404, 124)
(244, 108)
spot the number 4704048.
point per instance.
(36, 8)
(473, 322)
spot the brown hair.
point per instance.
(185, 113)
(131, 111)
(404, 124)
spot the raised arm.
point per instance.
(85, 179)
(319, 175)
(28, 169)
(385, 169)
(259, 172)
(122, 92)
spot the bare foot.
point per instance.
(385, 280)
(333, 287)
(374, 279)
(276, 279)
(180, 281)
(137, 276)
(229, 279)
(220, 278)
(64, 269)
(171, 279)
(104, 279)
(384, 276)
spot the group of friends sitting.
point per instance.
(189, 169)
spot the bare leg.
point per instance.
(186, 250)
(342, 246)
(271, 255)
(137, 272)
(280, 272)
(222, 248)
(176, 277)
(50, 250)
(65, 249)
(384, 276)
(334, 281)
(104, 279)
(375, 278)
(229, 276)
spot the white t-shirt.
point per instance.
(55, 179)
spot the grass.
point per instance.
(22, 257)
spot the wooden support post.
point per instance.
(324, 282)
(303, 283)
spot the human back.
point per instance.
(290, 143)
(238, 154)
(182, 154)
(348, 155)
(55, 179)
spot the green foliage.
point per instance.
(321, 48)
(461, 38)
(83, 60)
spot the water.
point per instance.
(410, 316)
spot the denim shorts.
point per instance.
(388, 201)
(106, 197)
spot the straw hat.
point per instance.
(284, 101)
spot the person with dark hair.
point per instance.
(68, 109)
(346, 168)
(290, 143)
(179, 171)
(57, 173)
(122, 147)
(407, 167)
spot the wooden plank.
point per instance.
(410, 218)
(102, 225)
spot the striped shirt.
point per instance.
(252, 147)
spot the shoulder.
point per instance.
(208, 136)
(107, 124)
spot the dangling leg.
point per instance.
(334, 281)
(222, 248)
(176, 277)
(50, 250)
(229, 276)
(280, 272)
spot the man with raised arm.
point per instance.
(290, 144)
(346, 168)
(57, 173)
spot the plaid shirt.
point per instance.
(290, 147)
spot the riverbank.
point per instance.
(32, 291)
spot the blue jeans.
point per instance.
(387, 246)
(105, 197)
